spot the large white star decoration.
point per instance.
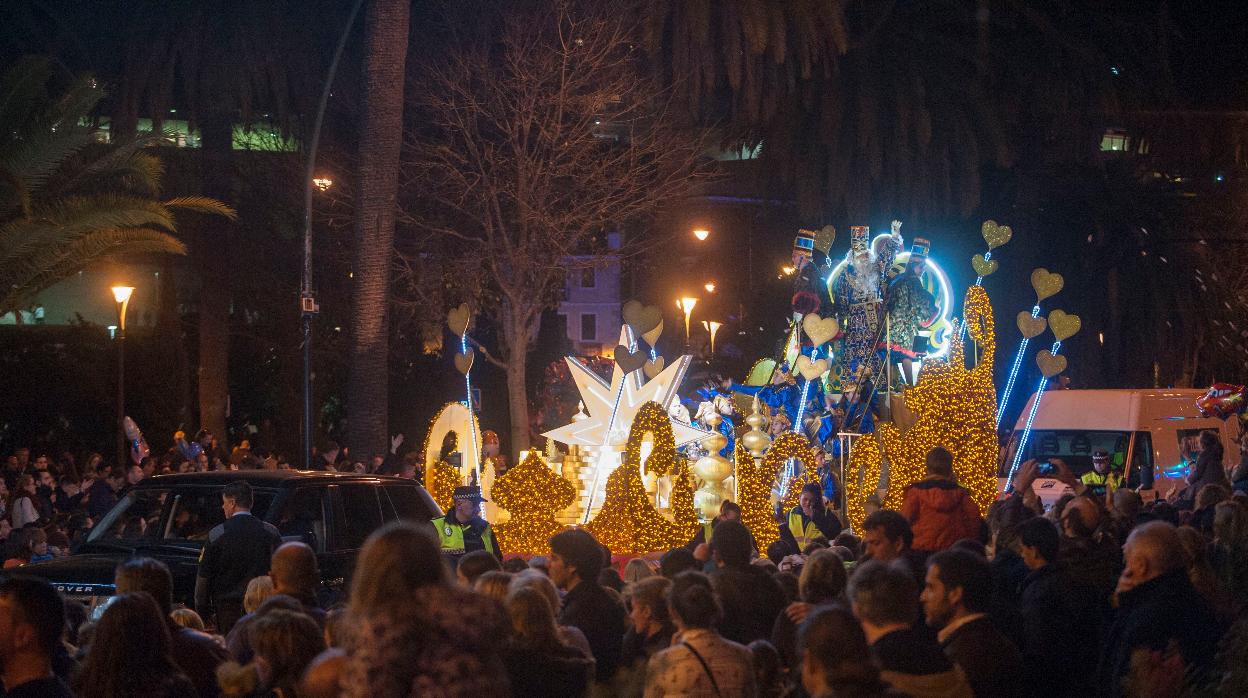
(612, 406)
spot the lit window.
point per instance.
(1114, 141)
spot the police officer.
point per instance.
(810, 519)
(463, 530)
(1101, 479)
(237, 551)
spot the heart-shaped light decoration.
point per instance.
(1064, 325)
(820, 329)
(1046, 283)
(983, 267)
(457, 319)
(628, 361)
(653, 367)
(995, 235)
(1049, 364)
(653, 335)
(810, 370)
(463, 362)
(641, 318)
(1031, 327)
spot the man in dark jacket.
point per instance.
(1159, 612)
(294, 573)
(956, 598)
(103, 493)
(575, 561)
(810, 519)
(1050, 629)
(237, 551)
(940, 511)
(751, 597)
(196, 653)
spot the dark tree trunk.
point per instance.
(385, 26)
(212, 254)
(518, 335)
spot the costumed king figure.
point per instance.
(859, 294)
(810, 268)
(463, 530)
(910, 308)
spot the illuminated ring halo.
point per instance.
(936, 282)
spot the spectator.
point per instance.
(822, 582)
(611, 580)
(575, 561)
(294, 574)
(1158, 612)
(1047, 620)
(940, 512)
(196, 653)
(493, 585)
(1200, 573)
(769, 673)
(650, 630)
(728, 511)
(886, 536)
(238, 550)
(884, 597)
(32, 619)
(22, 509)
(1229, 552)
(956, 599)
(700, 661)
(1208, 469)
(1207, 499)
(258, 590)
(568, 635)
(187, 618)
(751, 598)
(401, 599)
(1127, 506)
(809, 520)
(538, 664)
(131, 654)
(285, 644)
(636, 570)
(514, 565)
(676, 561)
(103, 493)
(835, 658)
(1239, 476)
(474, 564)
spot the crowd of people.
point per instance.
(1100, 595)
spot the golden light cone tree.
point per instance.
(754, 496)
(532, 494)
(956, 408)
(791, 445)
(628, 523)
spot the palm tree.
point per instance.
(381, 133)
(66, 201)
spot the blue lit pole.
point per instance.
(979, 281)
(472, 418)
(1031, 416)
(1018, 362)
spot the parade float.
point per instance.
(881, 363)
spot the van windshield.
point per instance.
(1076, 446)
(156, 515)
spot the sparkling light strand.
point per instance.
(1031, 416)
(472, 436)
(1018, 362)
(979, 281)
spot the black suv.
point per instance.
(168, 518)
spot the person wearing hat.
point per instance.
(463, 530)
(810, 519)
(910, 308)
(1101, 480)
(810, 292)
(859, 291)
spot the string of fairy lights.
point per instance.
(533, 494)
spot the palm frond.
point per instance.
(202, 204)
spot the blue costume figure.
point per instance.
(718, 398)
(858, 292)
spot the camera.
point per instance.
(1046, 469)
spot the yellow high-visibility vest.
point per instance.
(803, 536)
(451, 537)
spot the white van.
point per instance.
(1146, 432)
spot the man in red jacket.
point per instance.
(940, 511)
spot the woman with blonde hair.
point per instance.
(413, 632)
(637, 569)
(538, 664)
(493, 584)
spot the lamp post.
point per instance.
(686, 306)
(701, 234)
(712, 327)
(121, 294)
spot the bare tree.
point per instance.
(529, 144)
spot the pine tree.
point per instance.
(532, 494)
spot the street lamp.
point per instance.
(121, 294)
(323, 183)
(709, 286)
(686, 306)
(712, 327)
(701, 234)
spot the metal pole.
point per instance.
(121, 384)
(307, 301)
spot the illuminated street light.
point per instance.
(701, 233)
(323, 183)
(121, 294)
(686, 306)
(787, 270)
(712, 327)
(709, 286)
